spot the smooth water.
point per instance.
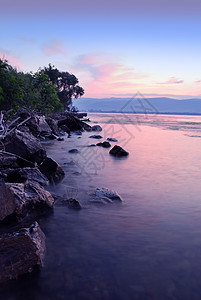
(148, 247)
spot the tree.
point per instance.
(66, 83)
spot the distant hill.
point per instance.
(140, 105)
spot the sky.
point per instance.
(115, 48)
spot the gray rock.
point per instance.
(96, 128)
(21, 252)
(95, 136)
(38, 125)
(53, 125)
(18, 199)
(52, 170)
(72, 203)
(24, 145)
(118, 151)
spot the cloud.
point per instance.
(53, 48)
(172, 80)
(104, 75)
(11, 60)
(198, 81)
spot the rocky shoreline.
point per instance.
(25, 170)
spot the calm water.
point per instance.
(148, 247)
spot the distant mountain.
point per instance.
(139, 105)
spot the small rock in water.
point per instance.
(105, 195)
(112, 140)
(118, 151)
(92, 145)
(96, 136)
(96, 128)
(73, 151)
(104, 144)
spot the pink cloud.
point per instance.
(172, 80)
(53, 48)
(198, 81)
(11, 60)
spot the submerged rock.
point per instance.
(72, 203)
(95, 136)
(96, 128)
(18, 199)
(21, 252)
(52, 170)
(118, 151)
(24, 145)
(105, 195)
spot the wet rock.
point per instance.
(21, 175)
(104, 144)
(92, 145)
(24, 145)
(104, 195)
(60, 139)
(21, 252)
(73, 151)
(96, 128)
(118, 151)
(18, 199)
(112, 140)
(78, 132)
(52, 170)
(72, 203)
(96, 136)
(53, 125)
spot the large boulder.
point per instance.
(18, 199)
(105, 195)
(22, 175)
(21, 252)
(118, 151)
(25, 145)
(52, 170)
(73, 123)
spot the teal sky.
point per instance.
(115, 48)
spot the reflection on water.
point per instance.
(147, 248)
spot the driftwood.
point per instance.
(7, 129)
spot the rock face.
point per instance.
(24, 145)
(96, 128)
(52, 170)
(18, 199)
(104, 144)
(96, 136)
(21, 252)
(104, 195)
(21, 175)
(118, 151)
